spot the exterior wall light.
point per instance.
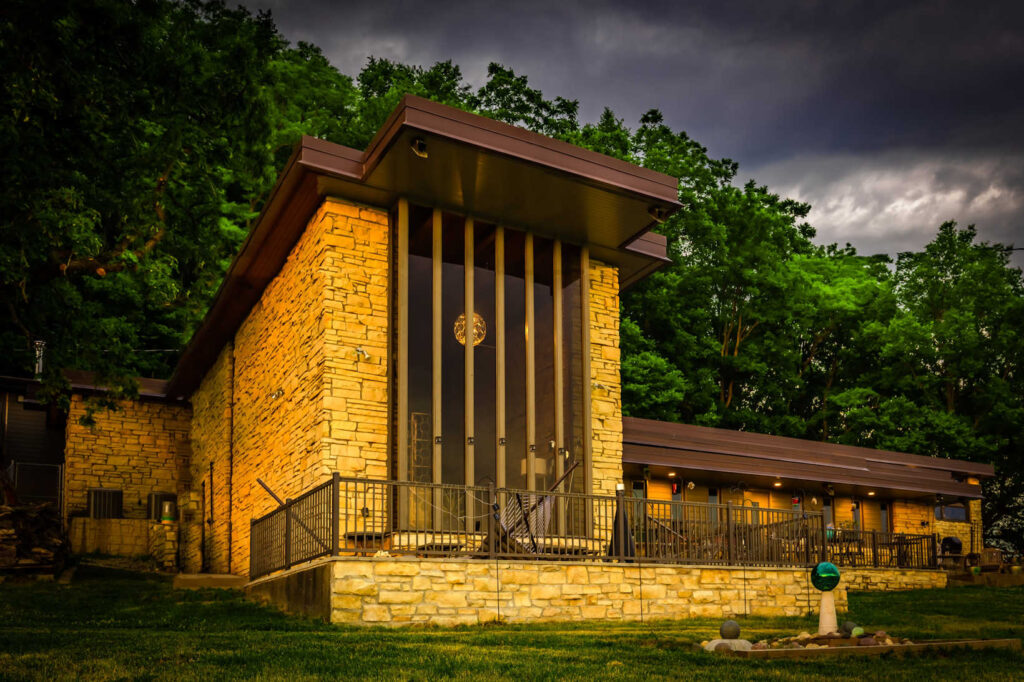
(419, 147)
(691, 485)
(777, 484)
(671, 474)
(871, 493)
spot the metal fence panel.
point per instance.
(363, 517)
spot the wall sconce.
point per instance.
(658, 213)
(362, 351)
(419, 147)
(479, 329)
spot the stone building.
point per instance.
(404, 406)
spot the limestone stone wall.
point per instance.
(605, 389)
(884, 579)
(356, 332)
(303, 388)
(139, 448)
(209, 499)
(401, 591)
(912, 517)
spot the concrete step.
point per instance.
(197, 581)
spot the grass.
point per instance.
(112, 624)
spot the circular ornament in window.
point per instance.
(479, 329)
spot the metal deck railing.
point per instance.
(363, 517)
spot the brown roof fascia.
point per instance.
(667, 434)
(83, 381)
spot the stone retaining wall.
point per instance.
(126, 537)
(405, 591)
(887, 579)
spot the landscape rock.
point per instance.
(730, 630)
(31, 534)
(728, 645)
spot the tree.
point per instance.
(135, 138)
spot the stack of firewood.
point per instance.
(30, 535)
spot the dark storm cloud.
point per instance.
(910, 113)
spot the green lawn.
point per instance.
(118, 625)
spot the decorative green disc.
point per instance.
(825, 576)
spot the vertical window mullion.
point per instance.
(499, 345)
(585, 369)
(470, 313)
(531, 377)
(402, 352)
(559, 379)
(437, 376)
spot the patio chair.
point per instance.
(523, 521)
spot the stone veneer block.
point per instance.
(605, 382)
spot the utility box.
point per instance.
(155, 505)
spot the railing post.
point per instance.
(288, 533)
(620, 501)
(730, 538)
(874, 548)
(807, 542)
(824, 539)
(335, 514)
(934, 558)
(492, 506)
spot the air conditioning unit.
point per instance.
(105, 503)
(155, 504)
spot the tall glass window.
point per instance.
(515, 359)
(420, 356)
(461, 275)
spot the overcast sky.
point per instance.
(888, 117)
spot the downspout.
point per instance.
(231, 456)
